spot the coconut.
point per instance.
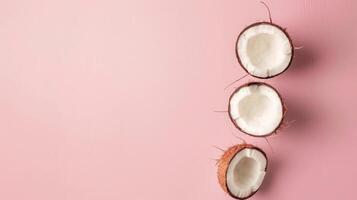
(256, 109)
(241, 170)
(264, 49)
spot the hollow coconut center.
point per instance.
(256, 109)
(264, 50)
(246, 172)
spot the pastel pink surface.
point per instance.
(115, 99)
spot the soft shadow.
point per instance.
(300, 115)
(274, 166)
(304, 59)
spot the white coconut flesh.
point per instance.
(246, 172)
(256, 109)
(264, 50)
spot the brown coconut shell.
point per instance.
(284, 108)
(225, 161)
(272, 24)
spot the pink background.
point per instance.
(114, 99)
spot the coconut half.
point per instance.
(256, 109)
(264, 50)
(241, 170)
